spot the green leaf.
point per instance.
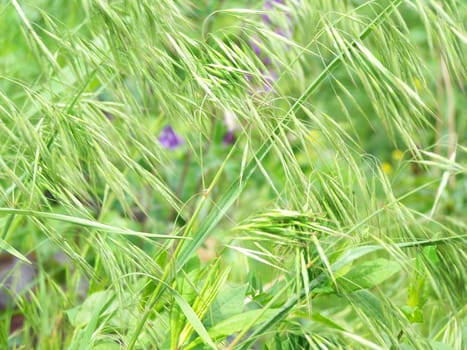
(430, 252)
(236, 323)
(413, 313)
(368, 274)
(194, 320)
(431, 344)
(107, 346)
(4, 245)
(370, 305)
(436, 345)
(228, 303)
(318, 317)
(82, 314)
(95, 306)
(85, 222)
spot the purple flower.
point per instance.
(229, 138)
(270, 18)
(281, 32)
(254, 44)
(109, 115)
(169, 139)
(231, 122)
(269, 80)
(268, 6)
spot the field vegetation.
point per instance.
(233, 174)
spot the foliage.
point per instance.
(233, 174)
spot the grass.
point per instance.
(312, 197)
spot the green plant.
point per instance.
(230, 174)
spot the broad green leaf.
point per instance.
(236, 323)
(370, 305)
(84, 337)
(368, 274)
(229, 302)
(82, 314)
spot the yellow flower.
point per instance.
(397, 155)
(386, 167)
(314, 136)
(418, 84)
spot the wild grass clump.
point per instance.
(279, 174)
